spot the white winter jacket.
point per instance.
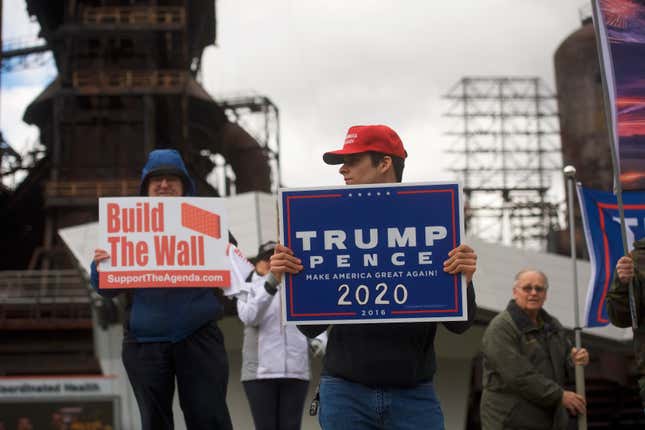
(270, 350)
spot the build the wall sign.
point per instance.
(163, 242)
(373, 253)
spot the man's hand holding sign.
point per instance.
(283, 261)
(378, 252)
(461, 259)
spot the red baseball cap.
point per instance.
(363, 138)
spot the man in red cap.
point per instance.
(378, 146)
(379, 376)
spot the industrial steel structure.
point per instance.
(126, 84)
(508, 147)
(260, 117)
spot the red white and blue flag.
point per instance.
(602, 231)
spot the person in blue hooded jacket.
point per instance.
(172, 332)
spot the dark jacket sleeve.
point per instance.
(618, 303)
(94, 280)
(462, 326)
(312, 331)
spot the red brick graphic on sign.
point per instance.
(200, 220)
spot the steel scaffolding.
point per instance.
(508, 147)
(260, 117)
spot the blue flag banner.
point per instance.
(373, 253)
(602, 231)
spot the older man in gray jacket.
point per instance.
(527, 358)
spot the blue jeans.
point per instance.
(347, 405)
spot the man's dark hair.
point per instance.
(398, 163)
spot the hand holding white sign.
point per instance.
(100, 255)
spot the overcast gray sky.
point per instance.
(330, 64)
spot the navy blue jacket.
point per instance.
(164, 314)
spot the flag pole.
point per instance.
(570, 175)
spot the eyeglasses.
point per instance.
(168, 178)
(538, 289)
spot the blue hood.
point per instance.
(166, 161)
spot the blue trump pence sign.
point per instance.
(373, 253)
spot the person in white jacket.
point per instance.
(275, 358)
